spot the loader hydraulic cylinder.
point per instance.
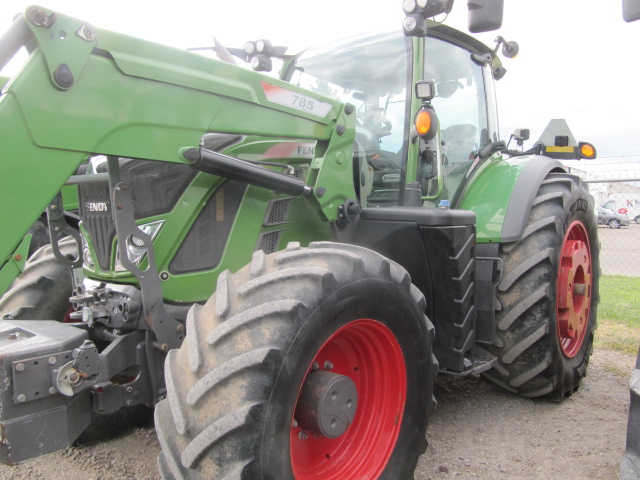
(233, 168)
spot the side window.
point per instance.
(461, 107)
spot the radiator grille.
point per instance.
(277, 212)
(155, 189)
(203, 247)
(269, 242)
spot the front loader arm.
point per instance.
(88, 91)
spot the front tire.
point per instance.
(548, 294)
(337, 320)
(42, 290)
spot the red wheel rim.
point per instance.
(574, 289)
(367, 352)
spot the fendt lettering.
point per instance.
(97, 207)
(306, 151)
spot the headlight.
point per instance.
(87, 258)
(135, 246)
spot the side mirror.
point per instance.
(485, 15)
(630, 10)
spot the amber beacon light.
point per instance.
(587, 150)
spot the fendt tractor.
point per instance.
(280, 266)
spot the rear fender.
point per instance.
(524, 191)
(501, 192)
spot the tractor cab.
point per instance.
(376, 74)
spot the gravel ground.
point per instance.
(478, 432)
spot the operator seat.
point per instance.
(459, 142)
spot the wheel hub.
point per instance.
(327, 403)
(574, 289)
(349, 408)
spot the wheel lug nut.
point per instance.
(303, 435)
(328, 365)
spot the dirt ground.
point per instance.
(478, 432)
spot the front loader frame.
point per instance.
(151, 102)
(154, 102)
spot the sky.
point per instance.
(578, 59)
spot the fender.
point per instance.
(500, 193)
(523, 194)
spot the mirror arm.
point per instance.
(491, 148)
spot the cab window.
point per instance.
(461, 106)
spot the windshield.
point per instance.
(371, 74)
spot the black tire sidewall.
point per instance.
(42, 290)
(368, 299)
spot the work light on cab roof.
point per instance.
(484, 15)
(259, 54)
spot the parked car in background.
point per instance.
(624, 203)
(611, 218)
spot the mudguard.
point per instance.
(500, 193)
(524, 191)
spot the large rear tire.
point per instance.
(338, 320)
(548, 296)
(42, 290)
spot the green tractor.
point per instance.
(268, 261)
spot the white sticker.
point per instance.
(295, 100)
